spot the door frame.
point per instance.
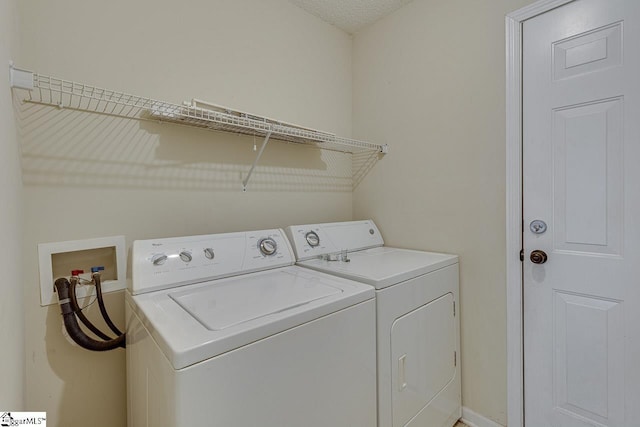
(514, 218)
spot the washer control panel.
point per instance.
(166, 263)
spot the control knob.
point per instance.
(208, 252)
(312, 239)
(159, 259)
(186, 256)
(267, 246)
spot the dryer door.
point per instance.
(423, 345)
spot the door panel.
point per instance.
(588, 52)
(589, 351)
(581, 176)
(587, 176)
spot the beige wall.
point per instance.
(11, 309)
(87, 175)
(430, 81)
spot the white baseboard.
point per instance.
(473, 419)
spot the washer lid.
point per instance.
(228, 304)
(201, 321)
(383, 266)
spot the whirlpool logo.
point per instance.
(8, 419)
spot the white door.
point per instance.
(581, 176)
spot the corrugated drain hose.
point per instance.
(71, 323)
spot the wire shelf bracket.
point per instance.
(42, 89)
(255, 162)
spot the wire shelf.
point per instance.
(47, 90)
(79, 96)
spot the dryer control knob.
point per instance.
(159, 259)
(208, 252)
(268, 246)
(312, 239)
(186, 256)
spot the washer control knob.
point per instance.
(267, 246)
(208, 252)
(186, 256)
(159, 259)
(312, 239)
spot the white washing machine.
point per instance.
(223, 330)
(418, 328)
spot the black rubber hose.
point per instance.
(103, 310)
(81, 316)
(71, 323)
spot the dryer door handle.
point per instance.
(402, 383)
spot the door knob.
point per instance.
(538, 257)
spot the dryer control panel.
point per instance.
(314, 240)
(167, 263)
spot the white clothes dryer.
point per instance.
(223, 330)
(418, 328)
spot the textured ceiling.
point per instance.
(350, 15)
